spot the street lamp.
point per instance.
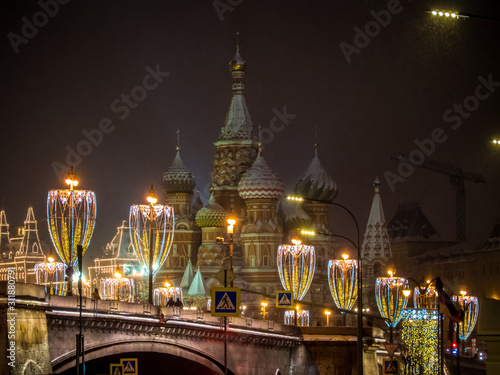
(71, 216)
(360, 277)
(328, 313)
(470, 307)
(231, 221)
(151, 248)
(263, 309)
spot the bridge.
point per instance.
(40, 338)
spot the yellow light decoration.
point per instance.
(51, 275)
(71, 218)
(161, 219)
(343, 282)
(118, 289)
(162, 295)
(470, 306)
(420, 333)
(428, 300)
(390, 298)
(296, 266)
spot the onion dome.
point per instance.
(315, 183)
(260, 181)
(177, 178)
(212, 215)
(295, 216)
(237, 63)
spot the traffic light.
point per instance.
(454, 347)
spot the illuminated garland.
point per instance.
(470, 305)
(343, 282)
(162, 221)
(71, 216)
(118, 289)
(420, 332)
(296, 265)
(390, 298)
(51, 275)
(162, 295)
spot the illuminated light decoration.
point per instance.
(391, 300)
(51, 275)
(71, 218)
(162, 295)
(118, 289)
(470, 306)
(343, 282)
(296, 264)
(293, 198)
(496, 141)
(429, 300)
(302, 317)
(420, 333)
(161, 218)
(308, 232)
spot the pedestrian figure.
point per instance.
(95, 295)
(170, 302)
(162, 318)
(177, 307)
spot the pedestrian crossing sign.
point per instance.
(284, 299)
(391, 366)
(115, 369)
(225, 302)
(129, 366)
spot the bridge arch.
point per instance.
(101, 350)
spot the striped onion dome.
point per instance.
(212, 215)
(260, 181)
(315, 183)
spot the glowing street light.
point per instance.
(470, 306)
(151, 250)
(342, 279)
(328, 313)
(231, 221)
(263, 310)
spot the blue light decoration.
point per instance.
(391, 300)
(470, 306)
(420, 334)
(161, 220)
(51, 275)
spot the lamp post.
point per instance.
(263, 309)
(360, 277)
(152, 199)
(231, 221)
(328, 313)
(146, 221)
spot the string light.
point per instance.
(391, 300)
(419, 331)
(342, 279)
(296, 265)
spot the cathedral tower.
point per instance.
(236, 149)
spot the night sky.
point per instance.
(396, 89)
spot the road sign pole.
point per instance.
(225, 330)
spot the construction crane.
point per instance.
(457, 179)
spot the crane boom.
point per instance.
(457, 179)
